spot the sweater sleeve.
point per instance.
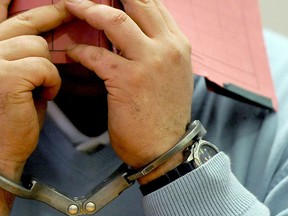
(209, 190)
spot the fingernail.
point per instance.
(74, 1)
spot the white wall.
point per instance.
(275, 15)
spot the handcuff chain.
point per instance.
(105, 192)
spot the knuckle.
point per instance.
(40, 64)
(118, 17)
(169, 55)
(159, 61)
(58, 8)
(176, 52)
(187, 45)
(97, 54)
(40, 40)
(89, 11)
(42, 44)
(145, 1)
(46, 64)
(175, 55)
(24, 17)
(27, 19)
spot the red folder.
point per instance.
(227, 44)
(77, 31)
(228, 47)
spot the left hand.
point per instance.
(20, 73)
(27, 80)
(149, 84)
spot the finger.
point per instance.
(32, 72)
(168, 18)
(147, 15)
(122, 31)
(24, 46)
(4, 9)
(35, 21)
(107, 65)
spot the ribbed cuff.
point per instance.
(211, 189)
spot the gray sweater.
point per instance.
(249, 176)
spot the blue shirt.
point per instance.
(249, 176)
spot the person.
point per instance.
(149, 100)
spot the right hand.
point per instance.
(27, 81)
(150, 84)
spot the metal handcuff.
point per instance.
(103, 193)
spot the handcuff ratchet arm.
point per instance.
(40, 192)
(108, 190)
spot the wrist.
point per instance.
(163, 169)
(171, 163)
(171, 158)
(11, 171)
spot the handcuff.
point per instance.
(121, 179)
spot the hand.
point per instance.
(27, 80)
(149, 84)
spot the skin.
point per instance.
(149, 85)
